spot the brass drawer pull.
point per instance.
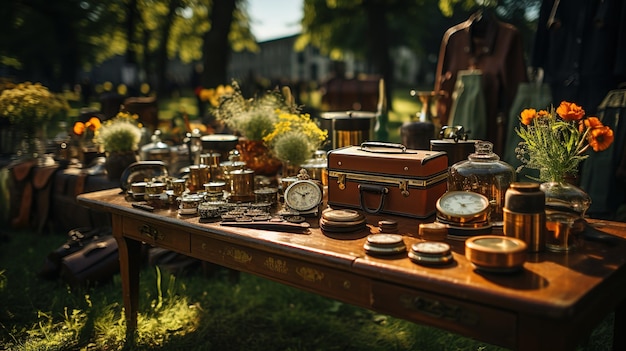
(150, 232)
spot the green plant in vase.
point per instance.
(30, 107)
(119, 138)
(555, 142)
(295, 138)
(253, 119)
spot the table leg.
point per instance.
(130, 264)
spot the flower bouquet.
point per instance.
(122, 133)
(30, 107)
(270, 122)
(555, 142)
(295, 138)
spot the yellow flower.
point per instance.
(214, 95)
(295, 137)
(30, 104)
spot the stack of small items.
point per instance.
(342, 221)
(384, 244)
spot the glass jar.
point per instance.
(483, 173)
(316, 167)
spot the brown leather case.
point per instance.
(385, 178)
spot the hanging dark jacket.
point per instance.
(581, 45)
(496, 49)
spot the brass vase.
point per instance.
(258, 158)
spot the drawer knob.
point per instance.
(150, 232)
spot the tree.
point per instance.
(215, 46)
(72, 35)
(46, 41)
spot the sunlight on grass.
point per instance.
(176, 318)
(50, 335)
(170, 316)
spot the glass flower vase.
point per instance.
(32, 144)
(566, 205)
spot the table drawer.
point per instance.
(319, 279)
(473, 320)
(158, 235)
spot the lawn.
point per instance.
(196, 311)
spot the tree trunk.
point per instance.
(161, 62)
(378, 30)
(216, 48)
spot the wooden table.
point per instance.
(552, 304)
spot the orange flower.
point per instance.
(79, 128)
(569, 111)
(93, 123)
(528, 115)
(591, 122)
(600, 138)
(542, 113)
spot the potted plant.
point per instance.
(294, 139)
(29, 107)
(119, 138)
(274, 132)
(555, 142)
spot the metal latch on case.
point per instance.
(341, 180)
(404, 188)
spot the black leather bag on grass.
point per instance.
(78, 239)
(96, 262)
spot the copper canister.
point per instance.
(349, 127)
(241, 185)
(198, 175)
(179, 186)
(524, 214)
(211, 159)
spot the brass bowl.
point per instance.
(496, 253)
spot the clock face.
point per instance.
(462, 204)
(303, 195)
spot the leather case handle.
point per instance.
(383, 147)
(377, 189)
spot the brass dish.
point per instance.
(496, 253)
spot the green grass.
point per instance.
(191, 312)
(196, 312)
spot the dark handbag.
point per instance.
(97, 262)
(78, 239)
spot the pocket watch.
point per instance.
(463, 209)
(303, 196)
(431, 253)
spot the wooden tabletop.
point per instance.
(574, 290)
